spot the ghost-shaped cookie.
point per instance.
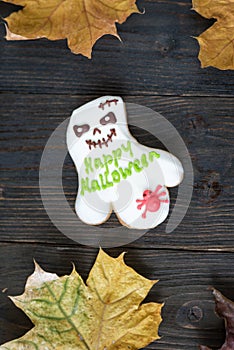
(115, 172)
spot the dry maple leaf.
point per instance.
(104, 314)
(217, 43)
(82, 22)
(225, 309)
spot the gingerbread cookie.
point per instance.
(115, 172)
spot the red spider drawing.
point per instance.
(151, 200)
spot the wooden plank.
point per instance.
(157, 56)
(184, 281)
(156, 65)
(205, 124)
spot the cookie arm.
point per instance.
(171, 168)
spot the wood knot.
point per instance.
(209, 187)
(191, 314)
(195, 314)
(198, 314)
(164, 44)
(195, 124)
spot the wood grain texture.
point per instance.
(157, 56)
(181, 286)
(156, 65)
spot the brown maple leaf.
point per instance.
(225, 309)
(81, 22)
(217, 43)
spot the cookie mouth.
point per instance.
(103, 141)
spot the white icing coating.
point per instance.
(116, 172)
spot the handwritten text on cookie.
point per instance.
(108, 178)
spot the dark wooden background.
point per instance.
(156, 65)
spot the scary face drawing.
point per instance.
(115, 172)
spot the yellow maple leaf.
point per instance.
(217, 43)
(104, 314)
(82, 22)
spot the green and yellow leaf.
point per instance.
(107, 313)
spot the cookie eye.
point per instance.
(109, 118)
(79, 130)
